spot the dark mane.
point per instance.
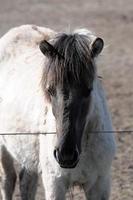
(71, 59)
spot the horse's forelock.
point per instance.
(75, 59)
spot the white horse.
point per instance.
(22, 107)
(60, 94)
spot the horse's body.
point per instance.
(25, 107)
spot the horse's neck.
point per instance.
(99, 119)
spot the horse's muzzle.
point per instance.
(67, 160)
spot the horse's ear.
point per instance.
(46, 48)
(97, 47)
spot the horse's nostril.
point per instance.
(76, 154)
(65, 159)
(56, 154)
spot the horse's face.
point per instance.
(70, 105)
(70, 97)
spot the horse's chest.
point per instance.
(79, 176)
(84, 172)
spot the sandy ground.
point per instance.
(112, 20)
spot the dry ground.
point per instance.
(112, 20)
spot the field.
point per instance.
(113, 21)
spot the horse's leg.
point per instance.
(100, 190)
(8, 175)
(55, 187)
(54, 181)
(28, 184)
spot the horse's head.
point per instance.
(68, 81)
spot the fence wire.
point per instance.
(51, 133)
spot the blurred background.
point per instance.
(113, 21)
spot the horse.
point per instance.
(49, 87)
(22, 108)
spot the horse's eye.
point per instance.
(86, 92)
(51, 91)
